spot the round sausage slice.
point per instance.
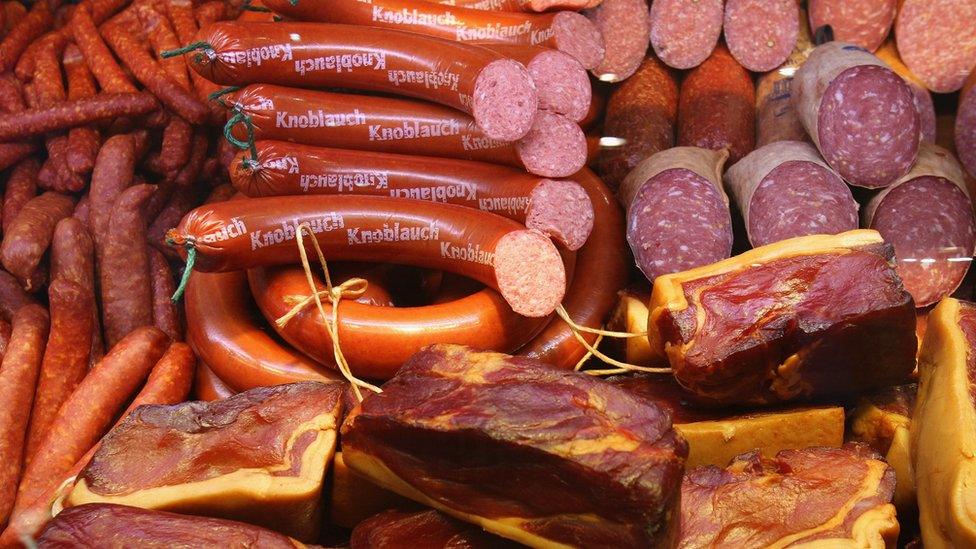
(937, 40)
(761, 33)
(864, 22)
(684, 32)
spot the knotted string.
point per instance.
(591, 350)
(352, 288)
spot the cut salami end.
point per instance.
(929, 221)
(625, 26)
(800, 198)
(865, 22)
(563, 85)
(761, 33)
(937, 40)
(577, 36)
(678, 221)
(505, 100)
(530, 273)
(562, 210)
(684, 33)
(868, 126)
(554, 147)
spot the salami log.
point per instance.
(554, 147)
(923, 99)
(761, 33)
(716, 108)
(937, 40)
(495, 90)
(563, 30)
(964, 129)
(684, 32)
(560, 80)
(776, 117)
(522, 5)
(625, 26)
(559, 209)
(785, 190)
(677, 213)
(859, 113)
(928, 217)
(521, 263)
(864, 23)
(641, 115)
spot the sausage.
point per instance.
(625, 26)
(83, 141)
(555, 147)
(73, 259)
(4, 336)
(55, 173)
(111, 78)
(162, 37)
(923, 99)
(563, 30)
(641, 115)
(12, 295)
(865, 23)
(176, 147)
(47, 83)
(210, 12)
(208, 386)
(166, 316)
(937, 41)
(601, 271)
(927, 216)
(560, 80)
(12, 153)
(38, 20)
(683, 33)
(168, 383)
(786, 190)
(149, 73)
(776, 117)
(30, 235)
(964, 128)
(127, 301)
(482, 319)
(190, 171)
(761, 33)
(11, 94)
(87, 414)
(182, 201)
(18, 376)
(112, 174)
(522, 5)
(716, 107)
(496, 91)
(227, 333)
(105, 106)
(559, 209)
(870, 140)
(21, 188)
(66, 356)
(677, 212)
(522, 264)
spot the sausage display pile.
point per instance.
(487, 273)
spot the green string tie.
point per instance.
(193, 46)
(191, 258)
(240, 117)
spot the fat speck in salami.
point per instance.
(761, 33)
(928, 217)
(860, 114)
(785, 190)
(677, 213)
